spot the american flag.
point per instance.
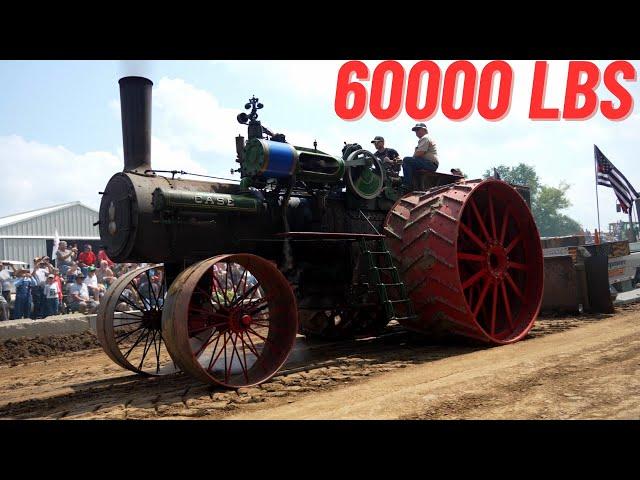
(609, 176)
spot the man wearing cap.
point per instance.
(79, 296)
(51, 295)
(24, 284)
(91, 281)
(424, 158)
(388, 156)
(39, 273)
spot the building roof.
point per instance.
(21, 217)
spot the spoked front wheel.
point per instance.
(129, 322)
(230, 320)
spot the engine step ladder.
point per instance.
(380, 260)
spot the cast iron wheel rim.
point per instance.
(498, 252)
(129, 322)
(230, 320)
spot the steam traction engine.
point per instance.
(335, 252)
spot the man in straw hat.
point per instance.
(425, 156)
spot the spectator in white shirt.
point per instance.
(51, 296)
(80, 299)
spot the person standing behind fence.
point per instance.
(24, 284)
(51, 295)
(37, 293)
(425, 156)
(5, 282)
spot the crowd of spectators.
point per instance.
(71, 282)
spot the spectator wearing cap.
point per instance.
(24, 284)
(91, 281)
(388, 156)
(51, 295)
(37, 293)
(425, 156)
(79, 297)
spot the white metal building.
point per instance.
(24, 236)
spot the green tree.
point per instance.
(546, 201)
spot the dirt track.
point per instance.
(586, 372)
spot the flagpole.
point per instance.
(597, 200)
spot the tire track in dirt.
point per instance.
(87, 384)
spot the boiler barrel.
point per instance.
(188, 201)
(133, 230)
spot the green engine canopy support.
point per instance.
(202, 202)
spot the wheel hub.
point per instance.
(152, 319)
(239, 321)
(497, 260)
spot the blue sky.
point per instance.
(60, 132)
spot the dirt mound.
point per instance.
(14, 350)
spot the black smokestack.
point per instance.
(135, 103)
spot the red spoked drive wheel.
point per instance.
(471, 258)
(230, 320)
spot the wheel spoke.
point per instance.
(126, 300)
(474, 278)
(492, 216)
(507, 307)
(206, 343)
(514, 286)
(120, 337)
(472, 236)
(253, 348)
(481, 298)
(208, 295)
(244, 355)
(223, 349)
(480, 220)
(151, 292)
(158, 353)
(215, 347)
(251, 290)
(206, 327)
(472, 257)
(513, 243)
(227, 371)
(518, 266)
(140, 296)
(144, 333)
(147, 347)
(238, 286)
(505, 223)
(219, 316)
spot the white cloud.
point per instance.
(192, 131)
(35, 175)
